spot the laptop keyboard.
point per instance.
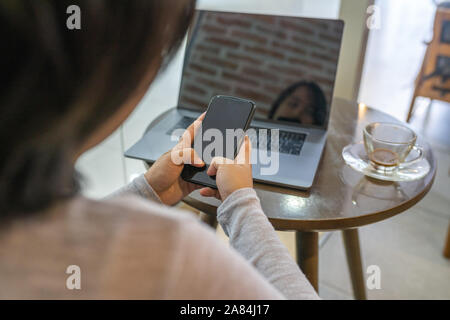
(183, 123)
(289, 142)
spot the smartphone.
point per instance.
(224, 112)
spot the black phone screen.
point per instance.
(223, 113)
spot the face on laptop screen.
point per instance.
(286, 65)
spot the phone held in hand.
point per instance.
(221, 135)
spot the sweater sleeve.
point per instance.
(254, 237)
(140, 187)
(203, 267)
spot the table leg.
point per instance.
(447, 244)
(307, 246)
(353, 252)
(209, 219)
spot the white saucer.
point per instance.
(355, 156)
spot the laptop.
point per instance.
(285, 65)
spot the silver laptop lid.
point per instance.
(286, 65)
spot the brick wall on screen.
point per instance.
(256, 57)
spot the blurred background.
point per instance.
(382, 54)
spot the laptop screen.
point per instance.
(286, 65)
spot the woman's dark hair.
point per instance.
(320, 103)
(57, 86)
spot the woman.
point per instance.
(302, 102)
(64, 91)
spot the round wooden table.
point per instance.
(340, 198)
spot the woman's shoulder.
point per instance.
(130, 209)
(124, 217)
(138, 208)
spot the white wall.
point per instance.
(394, 55)
(310, 8)
(353, 12)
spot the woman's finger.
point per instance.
(192, 187)
(189, 134)
(209, 192)
(216, 163)
(243, 157)
(191, 157)
(186, 156)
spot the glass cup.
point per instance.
(388, 144)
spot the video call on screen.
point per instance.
(286, 65)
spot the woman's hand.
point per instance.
(231, 175)
(164, 174)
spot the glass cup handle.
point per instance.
(418, 158)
